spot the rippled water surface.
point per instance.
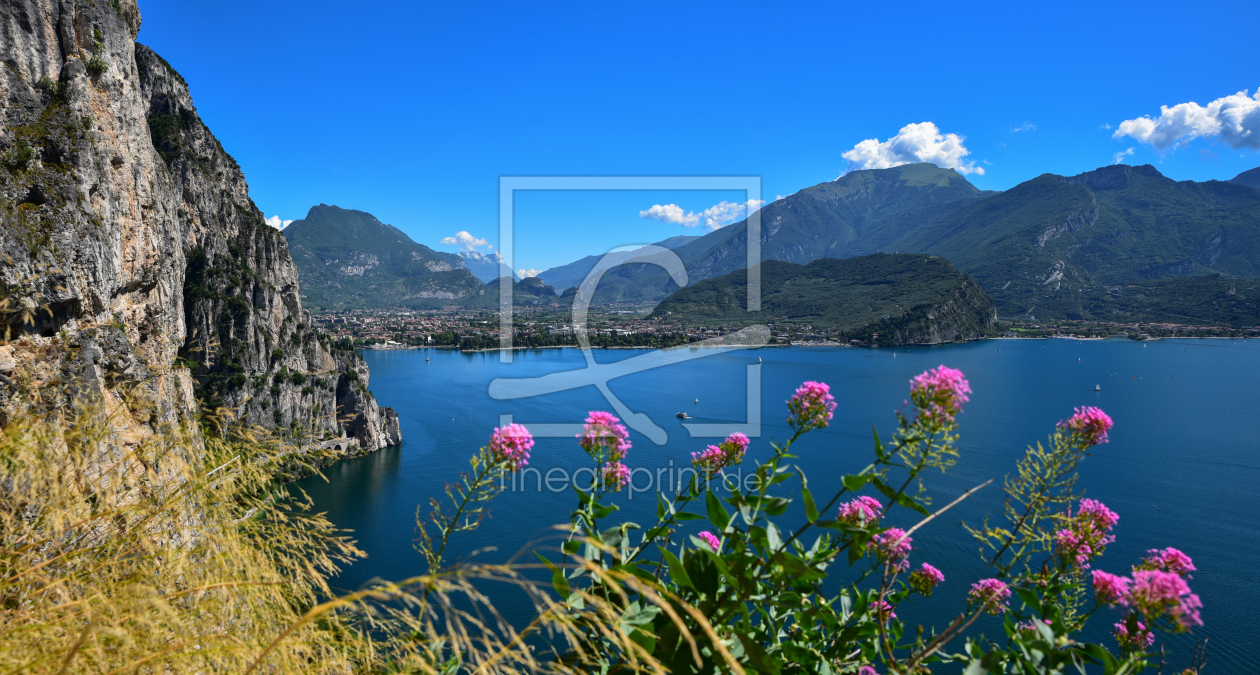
(1181, 468)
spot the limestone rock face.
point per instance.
(130, 243)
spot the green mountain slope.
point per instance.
(859, 213)
(349, 259)
(881, 298)
(1251, 178)
(1214, 300)
(1044, 245)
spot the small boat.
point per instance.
(1097, 387)
(758, 359)
(683, 416)
(426, 358)
(697, 401)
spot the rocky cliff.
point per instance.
(135, 265)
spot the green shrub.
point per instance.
(96, 65)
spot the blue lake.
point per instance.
(1181, 468)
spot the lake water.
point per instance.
(1181, 468)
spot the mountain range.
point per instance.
(1054, 247)
(1041, 248)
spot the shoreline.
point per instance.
(804, 345)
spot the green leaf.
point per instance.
(557, 577)
(677, 572)
(757, 655)
(684, 516)
(1030, 598)
(811, 511)
(777, 506)
(855, 483)
(717, 515)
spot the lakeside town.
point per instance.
(625, 327)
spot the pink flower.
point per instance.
(709, 462)
(811, 406)
(1029, 627)
(1088, 427)
(616, 475)
(893, 547)
(1138, 641)
(736, 442)
(604, 437)
(1109, 588)
(925, 579)
(867, 670)
(1097, 512)
(883, 610)
(717, 457)
(510, 446)
(1168, 560)
(939, 394)
(861, 511)
(1155, 593)
(709, 538)
(990, 594)
(1086, 534)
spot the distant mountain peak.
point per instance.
(1251, 178)
(349, 258)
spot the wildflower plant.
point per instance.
(724, 580)
(749, 594)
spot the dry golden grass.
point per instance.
(180, 554)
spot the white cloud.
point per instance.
(1235, 119)
(1119, 156)
(465, 241)
(525, 273)
(1026, 126)
(671, 213)
(921, 142)
(719, 215)
(275, 222)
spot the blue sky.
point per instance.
(412, 111)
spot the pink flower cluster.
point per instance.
(861, 512)
(883, 610)
(939, 394)
(925, 579)
(1029, 627)
(1155, 593)
(1139, 640)
(717, 457)
(1109, 588)
(616, 475)
(892, 546)
(1157, 589)
(811, 406)
(1088, 427)
(603, 437)
(1168, 560)
(709, 538)
(1087, 533)
(510, 446)
(867, 670)
(990, 595)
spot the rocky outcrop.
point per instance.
(133, 254)
(966, 313)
